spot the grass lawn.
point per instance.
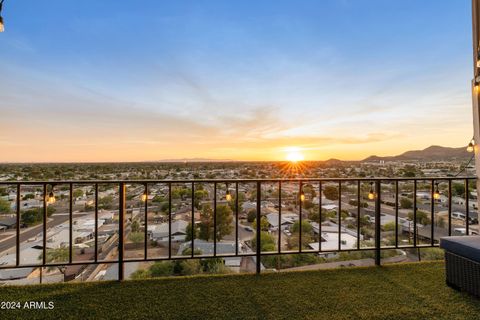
(408, 291)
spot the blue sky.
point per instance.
(147, 80)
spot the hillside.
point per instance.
(428, 154)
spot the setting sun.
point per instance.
(294, 155)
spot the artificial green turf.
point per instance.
(408, 291)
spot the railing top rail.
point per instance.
(148, 181)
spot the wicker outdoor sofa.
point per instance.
(462, 259)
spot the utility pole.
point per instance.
(476, 85)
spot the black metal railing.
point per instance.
(392, 185)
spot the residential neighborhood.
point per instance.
(330, 226)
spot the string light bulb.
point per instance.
(471, 146)
(2, 25)
(436, 193)
(302, 196)
(371, 193)
(144, 195)
(51, 198)
(228, 196)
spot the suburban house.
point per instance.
(288, 219)
(159, 233)
(8, 223)
(330, 238)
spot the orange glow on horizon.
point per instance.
(294, 155)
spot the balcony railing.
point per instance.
(382, 193)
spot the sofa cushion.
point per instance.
(465, 246)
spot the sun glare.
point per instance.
(294, 155)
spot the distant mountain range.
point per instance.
(428, 154)
(196, 160)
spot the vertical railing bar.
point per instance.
(121, 232)
(339, 215)
(319, 216)
(432, 212)
(467, 208)
(415, 212)
(279, 216)
(359, 199)
(17, 244)
(299, 199)
(215, 219)
(44, 236)
(396, 213)
(169, 220)
(259, 230)
(145, 224)
(236, 218)
(70, 211)
(192, 243)
(122, 225)
(378, 203)
(449, 207)
(96, 222)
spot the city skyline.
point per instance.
(95, 82)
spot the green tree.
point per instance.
(199, 196)
(29, 217)
(135, 226)
(390, 226)
(458, 189)
(3, 192)
(331, 192)
(406, 203)
(28, 196)
(308, 204)
(440, 222)
(264, 224)
(5, 206)
(35, 215)
(56, 256)
(224, 222)
(422, 217)
(164, 207)
(251, 215)
(307, 235)
(409, 173)
(306, 227)
(158, 198)
(188, 230)
(105, 202)
(313, 214)
(308, 189)
(355, 203)
(77, 193)
(267, 242)
(136, 237)
(206, 223)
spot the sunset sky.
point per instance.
(247, 80)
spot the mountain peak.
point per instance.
(430, 153)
